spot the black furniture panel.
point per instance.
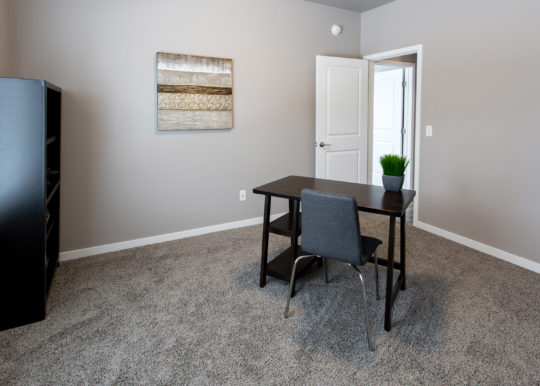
(29, 197)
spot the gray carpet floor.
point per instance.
(191, 312)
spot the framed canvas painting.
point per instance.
(193, 92)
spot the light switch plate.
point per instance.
(429, 131)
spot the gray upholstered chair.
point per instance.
(331, 230)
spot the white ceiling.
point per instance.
(353, 5)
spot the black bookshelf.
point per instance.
(30, 113)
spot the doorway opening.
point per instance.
(393, 115)
(394, 119)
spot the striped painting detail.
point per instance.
(194, 92)
(173, 101)
(168, 77)
(181, 89)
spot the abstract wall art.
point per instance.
(193, 92)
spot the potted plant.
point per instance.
(393, 166)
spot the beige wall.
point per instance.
(479, 173)
(121, 180)
(5, 67)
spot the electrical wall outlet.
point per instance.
(242, 195)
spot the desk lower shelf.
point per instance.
(283, 225)
(281, 266)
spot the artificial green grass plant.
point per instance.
(393, 164)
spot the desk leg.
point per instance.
(389, 275)
(264, 252)
(402, 249)
(294, 238)
(291, 218)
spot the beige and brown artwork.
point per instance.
(194, 92)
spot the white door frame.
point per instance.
(417, 49)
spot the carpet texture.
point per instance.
(191, 312)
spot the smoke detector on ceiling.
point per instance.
(336, 30)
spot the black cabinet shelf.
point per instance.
(53, 190)
(30, 139)
(50, 229)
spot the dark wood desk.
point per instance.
(369, 198)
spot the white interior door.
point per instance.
(341, 119)
(387, 116)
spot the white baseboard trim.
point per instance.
(78, 253)
(498, 253)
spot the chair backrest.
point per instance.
(330, 226)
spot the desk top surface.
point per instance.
(369, 198)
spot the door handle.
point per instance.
(322, 144)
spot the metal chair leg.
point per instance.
(291, 284)
(368, 330)
(325, 262)
(377, 277)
